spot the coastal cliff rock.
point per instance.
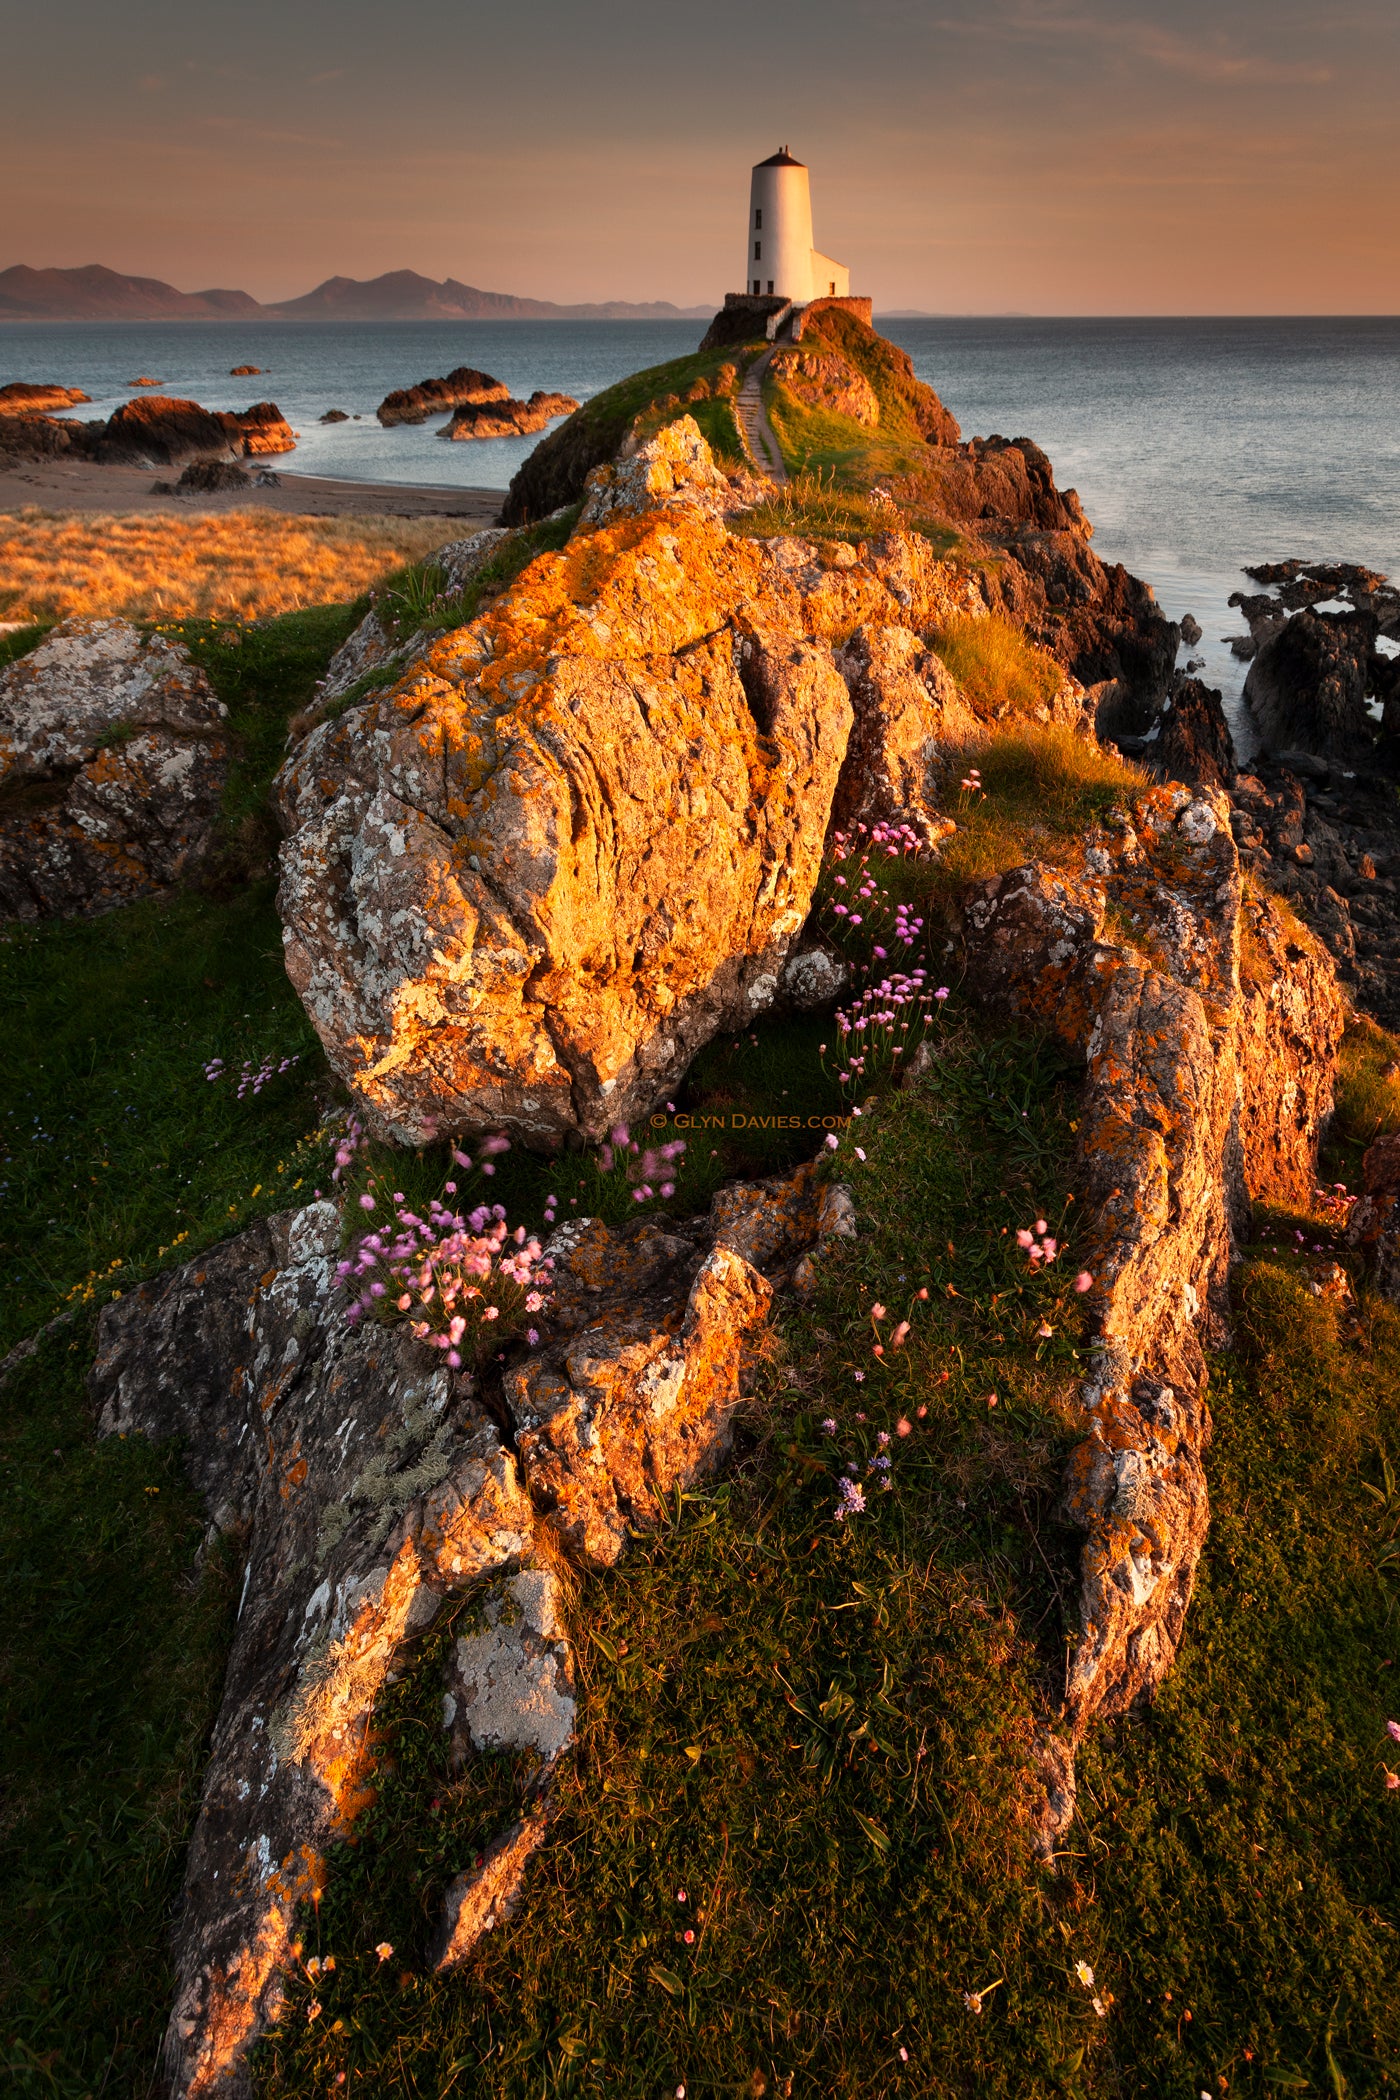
(1209, 1027)
(824, 379)
(113, 759)
(368, 1486)
(508, 418)
(522, 887)
(414, 404)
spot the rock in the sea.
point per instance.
(113, 759)
(20, 398)
(1194, 742)
(1209, 1025)
(1190, 630)
(414, 404)
(368, 1485)
(335, 415)
(1307, 686)
(245, 372)
(490, 419)
(165, 431)
(524, 885)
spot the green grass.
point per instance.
(13, 646)
(817, 506)
(821, 1734)
(111, 1660)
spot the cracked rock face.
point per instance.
(523, 886)
(367, 1484)
(113, 760)
(370, 1485)
(1209, 1028)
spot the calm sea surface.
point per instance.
(1196, 446)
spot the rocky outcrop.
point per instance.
(25, 436)
(373, 647)
(1193, 742)
(206, 477)
(578, 838)
(113, 759)
(908, 712)
(371, 1485)
(414, 404)
(1373, 1228)
(1328, 839)
(20, 398)
(1209, 1027)
(1307, 686)
(508, 418)
(245, 372)
(165, 431)
(368, 1486)
(823, 379)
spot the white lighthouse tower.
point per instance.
(780, 260)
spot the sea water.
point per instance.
(1197, 446)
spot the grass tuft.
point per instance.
(999, 670)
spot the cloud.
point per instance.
(1211, 58)
(320, 79)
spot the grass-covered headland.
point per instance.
(791, 1854)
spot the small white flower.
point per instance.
(1085, 1974)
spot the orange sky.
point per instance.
(1039, 156)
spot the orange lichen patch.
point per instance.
(239, 564)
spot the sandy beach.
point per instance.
(82, 485)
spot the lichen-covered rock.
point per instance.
(368, 1485)
(373, 648)
(371, 1485)
(1209, 1026)
(674, 469)
(610, 1419)
(823, 379)
(524, 885)
(113, 760)
(1373, 1228)
(909, 711)
(509, 1682)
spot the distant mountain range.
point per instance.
(98, 294)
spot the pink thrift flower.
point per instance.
(903, 1427)
(1392, 1780)
(1392, 1729)
(898, 1337)
(1083, 1281)
(877, 1311)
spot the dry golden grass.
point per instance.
(996, 666)
(1368, 1082)
(56, 564)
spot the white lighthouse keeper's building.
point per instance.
(780, 261)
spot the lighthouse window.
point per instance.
(758, 251)
(758, 222)
(770, 284)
